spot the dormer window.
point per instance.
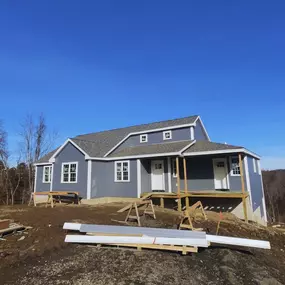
(143, 138)
(167, 135)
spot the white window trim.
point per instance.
(50, 167)
(231, 167)
(69, 163)
(164, 137)
(173, 163)
(141, 138)
(254, 165)
(115, 171)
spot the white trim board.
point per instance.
(169, 174)
(237, 150)
(89, 180)
(139, 178)
(36, 176)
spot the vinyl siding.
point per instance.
(157, 137)
(199, 132)
(103, 180)
(256, 186)
(70, 154)
(40, 186)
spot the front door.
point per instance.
(220, 173)
(157, 175)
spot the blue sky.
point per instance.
(95, 65)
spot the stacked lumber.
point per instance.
(155, 238)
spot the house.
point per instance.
(129, 161)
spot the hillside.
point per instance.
(274, 188)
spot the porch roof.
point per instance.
(152, 149)
(204, 146)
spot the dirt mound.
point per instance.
(42, 257)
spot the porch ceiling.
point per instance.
(152, 149)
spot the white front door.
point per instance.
(157, 175)
(220, 173)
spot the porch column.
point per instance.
(243, 188)
(178, 185)
(185, 182)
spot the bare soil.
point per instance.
(42, 257)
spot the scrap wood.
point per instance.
(186, 222)
(219, 222)
(13, 227)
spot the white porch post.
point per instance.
(247, 179)
(35, 182)
(51, 179)
(139, 178)
(169, 174)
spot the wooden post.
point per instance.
(178, 185)
(162, 202)
(243, 188)
(185, 182)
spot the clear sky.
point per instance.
(95, 65)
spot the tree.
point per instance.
(4, 164)
(36, 141)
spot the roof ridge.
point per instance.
(137, 125)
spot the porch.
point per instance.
(186, 178)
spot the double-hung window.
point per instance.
(235, 169)
(47, 174)
(69, 172)
(122, 171)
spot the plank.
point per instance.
(238, 241)
(158, 232)
(136, 240)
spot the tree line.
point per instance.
(17, 175)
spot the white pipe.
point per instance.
(238, 241)
(135, 240)
(72, 226)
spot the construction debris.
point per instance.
(164, 239)
(12, 228)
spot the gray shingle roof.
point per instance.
(98, 144)
(209, 146)
(46, 157)
(151, 149)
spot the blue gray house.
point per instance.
(129, 161)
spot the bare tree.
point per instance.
(4, 163)
(36, 142)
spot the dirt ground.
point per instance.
(42, 257)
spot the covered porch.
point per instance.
(185, 179)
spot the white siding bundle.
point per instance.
(139, 235)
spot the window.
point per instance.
(174, 168)
(254, 165)
(235, 169)
(167, 135)
(47, 174)
(122, 171)
(69, 172)
(143, 138)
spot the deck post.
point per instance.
(243, 188)
(178, 185)
(185, 182)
